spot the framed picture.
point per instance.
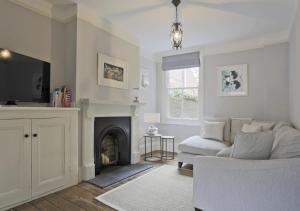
(112, 72)
(233, 80)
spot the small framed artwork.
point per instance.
(144, 78)
(233, 80)
(112, 72)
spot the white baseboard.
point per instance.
(88, 172)
(135, 157)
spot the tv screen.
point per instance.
(23, 78)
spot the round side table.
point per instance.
(164, 147)
(151, 137)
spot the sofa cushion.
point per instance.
(265, 125)
(226, 135)
(286, 144)
(200, 146)
(226, 153)
(212, 130)
(281, 124)
(253, 146)
(236, 126)
(249, 128)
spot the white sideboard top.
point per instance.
(22, 108)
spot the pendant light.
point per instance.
(176, 31)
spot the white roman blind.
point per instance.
(182, 61)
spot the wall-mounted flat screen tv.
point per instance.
(23, 79)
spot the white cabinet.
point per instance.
(15, 161)
(50, 154)
(38, 154)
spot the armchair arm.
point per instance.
(245, 185)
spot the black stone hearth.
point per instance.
(112, 142)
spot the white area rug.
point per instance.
(162, 189)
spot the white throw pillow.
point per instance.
(286, 143)
(250, 128)
(281, 124)
(253, 146)
(225, 152)
(227, 121)
(265, 126)
(236, 126)
(212, 130)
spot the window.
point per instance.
(182, 93)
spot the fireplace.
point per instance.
(112, 142)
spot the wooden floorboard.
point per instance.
(62, 203)
(26, 207)
(80, 197)
(43, 204)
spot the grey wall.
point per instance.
(90, 41)
(34, 35)
(294, 55)
(268, 92)
(268, 97)
(71, 54)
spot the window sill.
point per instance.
(181, 122)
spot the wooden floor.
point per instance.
(80, 197)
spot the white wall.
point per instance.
(268, 97)
(294, 54)
(34, 35)
(90, 41)
(147, 95)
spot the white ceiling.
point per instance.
(204, 22)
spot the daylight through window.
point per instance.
(183, 93)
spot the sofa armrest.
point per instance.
(244, 185)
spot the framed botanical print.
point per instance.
(233, 80)
(112, 72)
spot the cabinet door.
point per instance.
(15, 161)
(50, 154)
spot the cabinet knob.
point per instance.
(26, 135)
(35, 135)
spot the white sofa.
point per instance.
(226, 184)
(195, 145)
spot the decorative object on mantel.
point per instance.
(136, 95)
(176, 33)
(144, 79)
(152, 118)
(233, 80)
(61, 97)
(136, 100)
(112, 72)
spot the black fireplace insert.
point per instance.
(112, 142)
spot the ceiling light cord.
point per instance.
(176, 13)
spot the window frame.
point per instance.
(166, 119)
(182, 89)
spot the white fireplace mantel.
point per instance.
(92, 109)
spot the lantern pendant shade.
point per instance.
(177, 35)
(176, 31)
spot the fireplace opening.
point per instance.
(109, 151)
(112, 142)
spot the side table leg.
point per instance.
(166, 149)
(151, 146)
(173, 148)
(145, 148)
(161, 150)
